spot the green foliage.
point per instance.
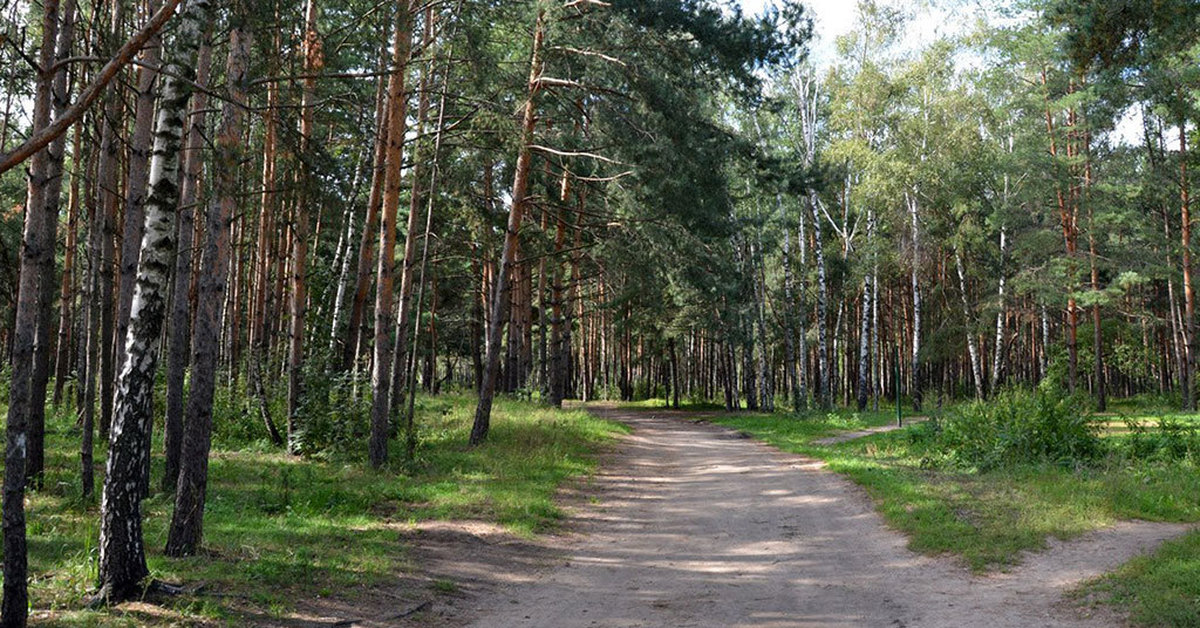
(1017, 427)
(332, 419)
(1172, 440)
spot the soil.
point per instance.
(692, 524)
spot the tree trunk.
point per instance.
(766, 394)
(355, 334)
(864, 347)
(800, 403)
(299, 304)
(37, 250)
(558, 367)
(483, 410)
(108, 183)
(381, 371)
(187, 520)
(969, 321)
(181, 311)
(1185, 236)
(915, 370)
(789, 316)
(67, 313)
(50, 197)
(122, 550)
(402, 348)
(998, 351)
(823, 395)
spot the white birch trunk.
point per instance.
(122, 548)
(969, 320)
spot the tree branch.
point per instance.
(90, 93)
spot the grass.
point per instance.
(278, 527)
(988, 519)
(1158, 590)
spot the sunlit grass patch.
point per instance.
(278, 527)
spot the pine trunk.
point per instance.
(50, 197)
(483, 411)
(37, 250)
(299, 302)
(187, 520)
(179, 344)
(381, 371)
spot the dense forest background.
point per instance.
(283, 219)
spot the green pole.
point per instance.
(899, 409)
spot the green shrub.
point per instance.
(1018, 427)
(1171, 440)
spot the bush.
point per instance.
(331, 419)
(1018, 427)
(1172, 440)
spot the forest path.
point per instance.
(692, 524)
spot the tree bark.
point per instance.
(1189, 297)
(381, 372)
(37, 250)
(187, 520)
(823, 394)
(915, 371)
(299, 304)
(998, 350)
(122, 549)
(483, 411)
(402, 348)
(67, 312)
(969, 321)
(355, 334)
(50, 196)
(558, 367)
(181, 312)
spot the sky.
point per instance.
(833, 18)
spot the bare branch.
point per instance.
(591, 53)
(560, 153)
(90, 93)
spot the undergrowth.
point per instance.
(278, 528)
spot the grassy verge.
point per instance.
(277, 527)
(1158, 590)
(988, 518)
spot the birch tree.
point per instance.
(122, 548)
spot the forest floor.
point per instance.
(693, 524)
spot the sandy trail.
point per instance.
(695, 525)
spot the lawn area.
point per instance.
(278, 527)
(987, 518)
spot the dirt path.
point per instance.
(692, 524)
(697, 526)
